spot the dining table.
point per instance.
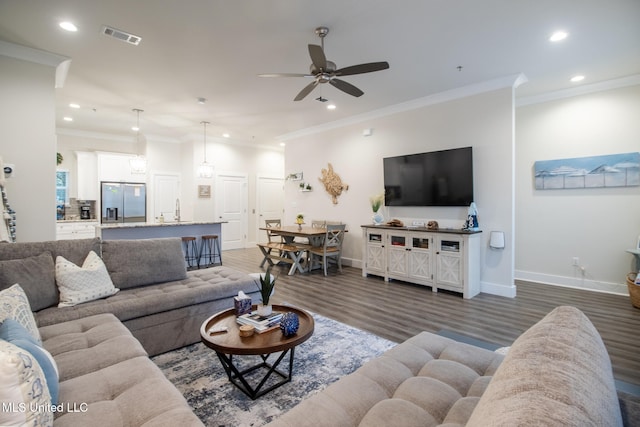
(289, 232)
(294, 251)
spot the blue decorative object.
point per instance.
(289, 324)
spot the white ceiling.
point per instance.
(216, 48)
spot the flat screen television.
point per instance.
(437, 178)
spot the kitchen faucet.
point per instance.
(176, 217)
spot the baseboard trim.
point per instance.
(508, 291)
(573, 282)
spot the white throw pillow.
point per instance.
(82, 284)
(22, 388)
(15, 305)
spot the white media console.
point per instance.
(441, 259)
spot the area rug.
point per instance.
(334, 350)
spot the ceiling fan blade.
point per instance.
(317, 56)
(285, 75)
(362, 68)
(346, 87)
(306, 90)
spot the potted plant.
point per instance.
(300, 220)
(267, 287)
(376, 203)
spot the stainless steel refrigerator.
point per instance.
(123, 202)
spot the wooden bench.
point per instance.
(284, 252)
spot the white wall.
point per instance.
(27, 139)
(596, 225)
(483, 121)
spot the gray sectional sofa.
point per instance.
(101, 347)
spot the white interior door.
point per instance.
(166, 190)
(270, 202)
(231, 207)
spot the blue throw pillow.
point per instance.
(13, 332)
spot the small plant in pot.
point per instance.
(267, 287)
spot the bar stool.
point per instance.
(210, 250)
(190, 248)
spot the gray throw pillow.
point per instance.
(133, 263)
(36, 275)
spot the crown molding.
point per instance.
(37, 56)
(632, 80)
(511, 81)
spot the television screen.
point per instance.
(437, 178)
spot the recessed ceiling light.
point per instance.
(135, 128)
(72, 105)
(331, 107)
(68, 26)
(576, 79)
(558, 36)
(282, 144)
(67, 119)
(226, 135)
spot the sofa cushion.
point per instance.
(36, 276)
(200, 286)
(557, 373)
(15, 305)
(133, 392)
(133, 263)
(89, 344)
(22, 384)
(16, 334)
(82, 284)
(73, 250)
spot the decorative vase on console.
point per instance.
(376, 204)
(267, 289)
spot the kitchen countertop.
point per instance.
(157, 224)
(66, 221)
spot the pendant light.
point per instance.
(205, 170)
(138, 164)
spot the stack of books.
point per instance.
(261, 323)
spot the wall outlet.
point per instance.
(576, 261)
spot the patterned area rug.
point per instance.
(334, 350)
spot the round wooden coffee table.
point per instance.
(230, 344)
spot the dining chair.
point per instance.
(273, 223)
(331, 249)
(316, 223)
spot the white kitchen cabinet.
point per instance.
(117, 167)
(442, 260)
(74, 230)
(88, 183)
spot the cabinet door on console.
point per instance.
(421, 258)
(450, 269)
(376, 259)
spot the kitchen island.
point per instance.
(153, 230)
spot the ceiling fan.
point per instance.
(324, 71)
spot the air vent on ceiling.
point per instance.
(121, 35)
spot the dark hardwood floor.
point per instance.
(399, 310)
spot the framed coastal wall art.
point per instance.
(613, 170)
